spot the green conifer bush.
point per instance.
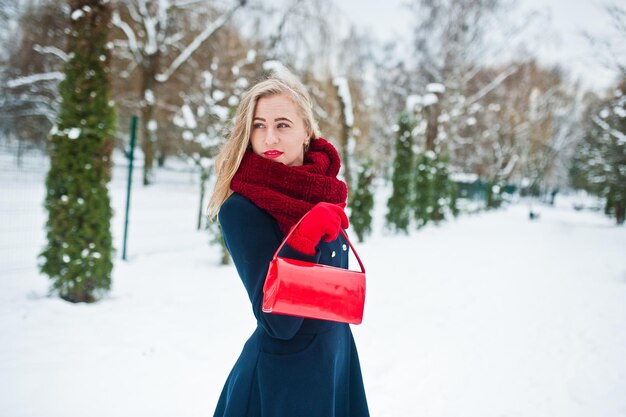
(78, 254)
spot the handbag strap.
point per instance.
(356, 255)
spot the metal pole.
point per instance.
(131, 157)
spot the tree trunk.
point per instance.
(204, 176)
(432, 126)
(225, 255)
(344, 139)
(620, 213)
(148, 121)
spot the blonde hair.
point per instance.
(229, 157)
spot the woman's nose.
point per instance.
(270, 137)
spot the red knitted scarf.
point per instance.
(287, 193)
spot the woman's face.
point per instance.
(278, 131)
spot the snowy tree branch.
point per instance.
(130, 35)
(150, 24)
(618, 16)
(186, 3)
(279, 31)
(493, 84)
(621, 138)
(172, 39)
(606, 53)
(143, 10)
(198, 41)
(50, 116)
(134, 14)
(21, 100)
(51, 50)
(34, 78)
(162, 14)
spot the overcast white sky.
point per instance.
(560, 40)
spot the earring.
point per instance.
(306, 145)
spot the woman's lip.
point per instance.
(272, 153)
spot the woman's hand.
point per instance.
(322, 222)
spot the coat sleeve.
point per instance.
(251, 237)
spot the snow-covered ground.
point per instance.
(489, 315)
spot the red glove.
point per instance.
(323, 221)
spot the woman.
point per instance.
(274, 169)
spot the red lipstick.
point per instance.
(272, 153)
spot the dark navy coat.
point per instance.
(290, 366)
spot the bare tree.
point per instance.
(611, 50)
(393, 83)
(450, 53)
(157, 44)
(522, 130)
(355, 115)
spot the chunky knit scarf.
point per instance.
(287, 193)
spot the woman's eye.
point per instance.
(281, 125)
(258, 125)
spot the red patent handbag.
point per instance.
(306, 289)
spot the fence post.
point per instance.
(131, 157)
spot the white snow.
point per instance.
(241, 83)
(233, 101)
(429, 99)
(220, 111)
(190, 119)
(77, 14)
(218, 95)
(488, 315)
(149, 96)
(413, 102)
(187, 135)
(436, 88)
(275, 66)
(152, 125)
(73, 133)
(207, 141)
(464, 177)
(250, 56)
(207, 79)
(178, 121)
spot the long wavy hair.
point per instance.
(230, 155)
